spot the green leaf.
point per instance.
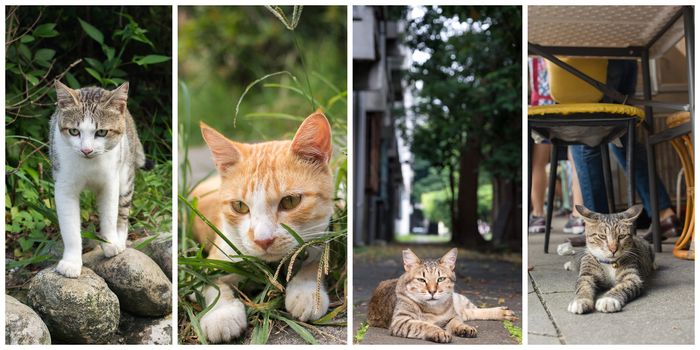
(150, 59)
(44, 54)
(92, 235)
(45, 30)
(72, 82)
(261, 333)
(31, 79)
(94, 73)
(24, 51)
(109, 52)
(92, 32)
(26, 39)
(95, 64)
(293, 233)
(303, 332)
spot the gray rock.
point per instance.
(22, 325)
(142, 288)
(76, 310)
(159, 249)
(144, 330)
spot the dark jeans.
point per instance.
(622, 75)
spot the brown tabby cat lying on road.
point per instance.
(614, 260)
(421, 304)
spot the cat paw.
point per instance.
(580, 306)
(70, 269)
(300, 301)
(608, 304)
(224, 322)
(507, 314)
(112, 249)
(439, 336)
(465, 331)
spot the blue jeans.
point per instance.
(622, 76)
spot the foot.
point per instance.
(608, 304)
(225, 322)
(574, 225)
(669, 227)
(577, 241)
(301, 300)
(536, 224)
(112, 249)
(439, 336)
(580, 306)
(507, 314)
(465, 331)
(70, 269)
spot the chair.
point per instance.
(683, 146)
(578, 118)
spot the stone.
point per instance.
(146, 330)
(159, 249)
(142, 287)
(76, 310)
(22, 325)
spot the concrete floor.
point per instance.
(663, 314)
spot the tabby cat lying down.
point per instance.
(421, 304)
(615, 260)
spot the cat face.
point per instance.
(430, 281)
(92, 119)
(609, 236)
(269, 184)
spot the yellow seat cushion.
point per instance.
(568, 88)
(577, 108)
(677, 119)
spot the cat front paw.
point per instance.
(580, 306)
(300, 301)
(439, 336)
(507, 314)
(608, 304)
(113, 249)
(224, 322)
(70, 269)
(465, 331)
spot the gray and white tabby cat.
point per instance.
(422, 304)
(93, 145)
(615, 262)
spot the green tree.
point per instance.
(467, 108)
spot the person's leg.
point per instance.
(575, 223)
(589, 171)
(540, 158)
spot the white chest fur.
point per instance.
(610, 273)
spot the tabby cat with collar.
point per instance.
(615, 265)
(93, 145)
(422, 304)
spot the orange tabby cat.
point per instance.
(258, 187)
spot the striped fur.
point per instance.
(421, 304)
(614, 266)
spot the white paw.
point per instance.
(608, 304)
(112, 249)
(300, 300)
(507, 314)
(580, 306)
(568, 266)
(70, 269)
(225, 322)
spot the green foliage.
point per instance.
(271, 102)
(360, 335)
(514, 331)
(81, 46)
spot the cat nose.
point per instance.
(613, 248)
(264, 243)
(86, 151)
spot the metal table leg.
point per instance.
(651, 154)
(552, 184)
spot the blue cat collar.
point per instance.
(608, 262)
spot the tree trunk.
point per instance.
(453, 209)
(466, 232)
(506, 224)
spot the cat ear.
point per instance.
(450, 259)
(313, 139)
(223, 150)
(586, 214)
(631, 214)
(117, 97)
(65, 96)
(410, 260)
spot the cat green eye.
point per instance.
(74, 132)
(441, 279)
(101, 133)
(290, 202)
(240, 207)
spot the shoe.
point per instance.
(669, 227)
(577, 241)
(575, 225)
(562, 212)
(536, 224)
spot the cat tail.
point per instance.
(141, 161)
(575, 264)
